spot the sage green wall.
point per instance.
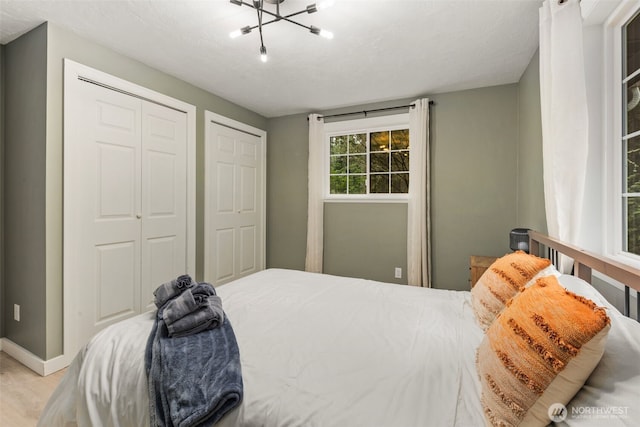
(530, 195)
(349, 245)
(24, 191)
(473, 169)
(473, 177)
(366, 240)
(287, 167)
(37, 232)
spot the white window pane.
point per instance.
(379, 183)
(357, 184)
(379, 141)
(631, 92)
(400, 161)
(400, 183)
(633, 225)
(400, 139)
(338, 165)
(379, 162)
(338, 184)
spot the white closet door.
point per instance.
(127, 176)
(105, 182)
(234, 204)
(164, 200)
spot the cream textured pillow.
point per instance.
(538, 352)
(503, 280)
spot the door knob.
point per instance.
(139, 216)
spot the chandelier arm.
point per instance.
(265, 23)
(293, 14)
(259, 12)
(286, 18)
(297, 23)
(277, 15)
(258, 6)
(276, 20)
(268, 12)
(280, 18)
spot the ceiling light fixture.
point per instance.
(258, 5)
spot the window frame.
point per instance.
(364, 125)
(615, 114)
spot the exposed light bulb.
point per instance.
(324, 4)
(263, 54)
(241, 31)
(320, 32)
(326, 34)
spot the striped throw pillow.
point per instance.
(503, 280)
(538, 353)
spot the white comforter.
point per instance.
(316, 350)
(319, 350)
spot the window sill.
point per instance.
(628, 260)
(366, 200)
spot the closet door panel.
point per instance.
(248, 242)
(161, 252)
(233, 223)
(116, 274)
(104, 184)
(164, 202)
(247, 164)
(116, 169)
(225, 249)
(128, 199)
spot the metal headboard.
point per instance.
(584, 262)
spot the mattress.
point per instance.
(321, 350)
(316, 350)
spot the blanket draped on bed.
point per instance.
(194, 379)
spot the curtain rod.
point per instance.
(365, 112)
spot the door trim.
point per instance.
(211, 117)
(76, 74)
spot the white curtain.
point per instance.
(315, 216)
(418, 219)
(565, 118)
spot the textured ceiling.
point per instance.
(382, 50)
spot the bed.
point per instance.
(321, 350)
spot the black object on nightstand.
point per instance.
(519, 239)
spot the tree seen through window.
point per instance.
(369, 163)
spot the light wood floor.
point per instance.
(23, 393)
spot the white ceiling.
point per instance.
(382, 49)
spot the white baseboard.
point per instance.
(31, 361)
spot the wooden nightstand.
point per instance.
(478, 265)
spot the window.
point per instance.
(630, 141)
(368, 158)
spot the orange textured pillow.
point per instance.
(503, 280)
(539, 352)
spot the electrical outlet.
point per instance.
(398, 273)
(16, 312)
